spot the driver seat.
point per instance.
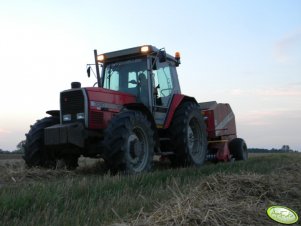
(143, 88)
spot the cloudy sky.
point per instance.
(246, 53)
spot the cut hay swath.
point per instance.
(222, 199)
(238, 196)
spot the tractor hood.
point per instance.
(110, 97)
(93, 106)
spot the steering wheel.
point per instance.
(95, 84)
(167, 89)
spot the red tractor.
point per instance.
(135, 111)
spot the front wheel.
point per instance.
(35, 152)
(129, 143)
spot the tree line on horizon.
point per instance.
(19, 149)
(283, 149)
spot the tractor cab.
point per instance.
(145, 72)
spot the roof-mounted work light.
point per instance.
(144, 49)
(100, 58)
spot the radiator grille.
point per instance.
(72, 102)
(96, 118)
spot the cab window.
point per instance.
(123, 76)
(128, 76)
(163, 83)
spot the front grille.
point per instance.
(72, 102)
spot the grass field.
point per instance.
(217, 194)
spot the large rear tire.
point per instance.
(238, 149)
(35, 153)
(129, 143)
(189, 136)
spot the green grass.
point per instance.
(92, 199)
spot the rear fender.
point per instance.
(177, 100)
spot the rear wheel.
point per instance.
(238, 149)
(35, 153)
(188, 132)
(129, 143)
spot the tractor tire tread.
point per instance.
(34, 153)
(178, 131)
(116, 135)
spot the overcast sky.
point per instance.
(246, 53)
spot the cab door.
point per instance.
(165, 86)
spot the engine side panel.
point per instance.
(104, 104)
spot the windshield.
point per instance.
(125, 76)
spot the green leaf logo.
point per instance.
(282, 214)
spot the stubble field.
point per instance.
(216, 194)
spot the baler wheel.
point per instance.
(238, 148)
(35, 153)
(189, 136)
(129, 143)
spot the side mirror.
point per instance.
(162, 55)
(88, 71)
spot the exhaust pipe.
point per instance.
(75, 85)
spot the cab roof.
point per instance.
(131, 53)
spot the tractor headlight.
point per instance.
(67, 117)
(80, 116)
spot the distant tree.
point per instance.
(285, 148)
(4, 152)
(20, 147)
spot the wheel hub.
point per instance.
(134, 147)
(137, 149)
(194, 145)
(190, 138)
